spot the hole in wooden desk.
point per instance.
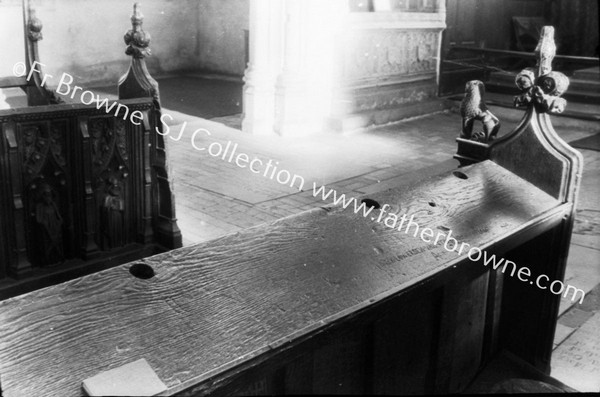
(432, 204)
(371, 203)
(460, 175)
(141, 270)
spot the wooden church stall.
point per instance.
(327, 301)
(83, 187)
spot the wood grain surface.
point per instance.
(220, 303)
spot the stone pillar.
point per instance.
(289, 77)
(441, 16)
(305, 86)
(261, 74)
(291, 89)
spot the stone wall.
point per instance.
(221, 42)
(85, 37)
(11, 36)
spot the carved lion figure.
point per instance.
(473, 108)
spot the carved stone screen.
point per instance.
(389, 61)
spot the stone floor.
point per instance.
(215, 197)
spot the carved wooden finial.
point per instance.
(533, 150)
(136, 38)
(37, 93)
(542, 86)
(34, 26)
(137, 82)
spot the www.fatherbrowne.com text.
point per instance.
(269, 169)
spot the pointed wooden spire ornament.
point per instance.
(137, 82)
(37, 93)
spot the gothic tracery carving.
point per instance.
(35, 150)
(103, 143)
(110, 169)
(121, 139)
(57, 144)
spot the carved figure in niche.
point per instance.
(473, 108)
(50, 226)
(113, 207)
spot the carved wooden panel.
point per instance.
(82, 189)
(111, 181)
(79, 188)
(47, 192)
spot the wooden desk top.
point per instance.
(219, 303)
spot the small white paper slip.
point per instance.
(133, 379)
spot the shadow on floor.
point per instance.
(196, 96)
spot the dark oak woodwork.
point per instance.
(79, 155)
(324, 302)
(368, 308)
(83, 189)
(138, 83)
(535, 152)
